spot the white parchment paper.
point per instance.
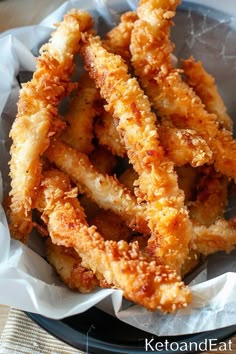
(27, 281)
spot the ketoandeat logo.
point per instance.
(212, 345)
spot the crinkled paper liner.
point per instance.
(27, 281)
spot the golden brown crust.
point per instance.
(105, 190)
(182, 145)
(151, 47)
(151, 51)
(67, 264)
(35, 122)
(167, 216)
(80, 115)
(117, 39)
(219, 236)
(173, 99)
(204, 86)
(211, 196)
(120, 264)
(107, 135)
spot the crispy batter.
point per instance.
(174, 100)
(122, 265)
(138, 239)
(109, 194)
(181, 145)
(220, 236)
(151, 47)
(212, 188)
(211, 199)
(67, 264)
(188, 111)
(151, 52)
(107, 135)
(35, 121)
(105, 190)
(80, 116)
(117, 39)
(184, 146)
(167, 216)
(204, 86)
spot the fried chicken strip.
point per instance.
(150, 45)
(204, 85)
(151, 54)
(181, 145)
(105, 190)
(80, 116)
(219, 236)
(173, 99)
(212, 189)
(211, 198)
(120, 264)
(184, 146)
(166, 213)
(35, 122)
(107, 135)
(188, 111)
(67, 264)
(117, 199)
(117, 39)
(212, 233)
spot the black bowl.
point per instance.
(94, 331)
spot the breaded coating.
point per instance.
(151, 47)
(80, 115)
(67, 264)
(107, 135)
(151, 52)
(182, 145)
(110, 195)
(205, 87)
(105, 190)
(220, 236)
(122, 265)
(117, 39)
(188, 111)
(211, 196)
(173, 99)
(167, 215)
(36, 119)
